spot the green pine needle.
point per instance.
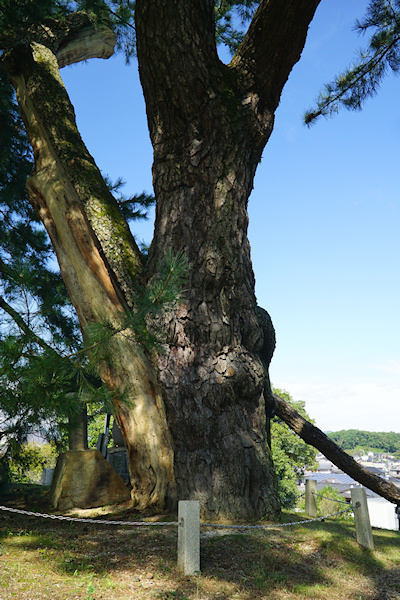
(363, 78)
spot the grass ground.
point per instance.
(57, 560)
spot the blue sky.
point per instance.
(324, 221)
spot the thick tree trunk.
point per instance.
(208, 131)
(208, 123)
(315, 437)
(99, 261)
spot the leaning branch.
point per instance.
(315, 437)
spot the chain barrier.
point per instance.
(95, 521)
(332, 499)
(167, 523)
(276, 524)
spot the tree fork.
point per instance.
(208, 124)
(213, 379)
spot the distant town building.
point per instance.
(382, 513)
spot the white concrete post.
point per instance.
(361, 518)
(311, 498)
(189, 536)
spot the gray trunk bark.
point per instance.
(209, 125)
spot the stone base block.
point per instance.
(84, 479)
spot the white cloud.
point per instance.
(369, 405)
(389, 367)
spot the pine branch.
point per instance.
(165, 290)
(363, 79)
(25, 328)
(314, 436)
(329, 105)
(6, 270)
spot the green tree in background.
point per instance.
(27, 461)
(290, 454)
(351, 439)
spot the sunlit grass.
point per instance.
(64, 561)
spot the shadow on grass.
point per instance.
(318, 560)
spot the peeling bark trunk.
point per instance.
(99, 261)
(315, 437)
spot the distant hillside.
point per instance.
(351, 439)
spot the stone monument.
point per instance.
(84, 479)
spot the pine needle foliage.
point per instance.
(163, 292)
(231, 19)
(364, 76)
(39, 387)
(15, 153)
(20, 18)
(132, 208)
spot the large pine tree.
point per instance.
(193, 414)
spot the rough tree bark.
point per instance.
(315, 437)
(196, 425)
(208, 124)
